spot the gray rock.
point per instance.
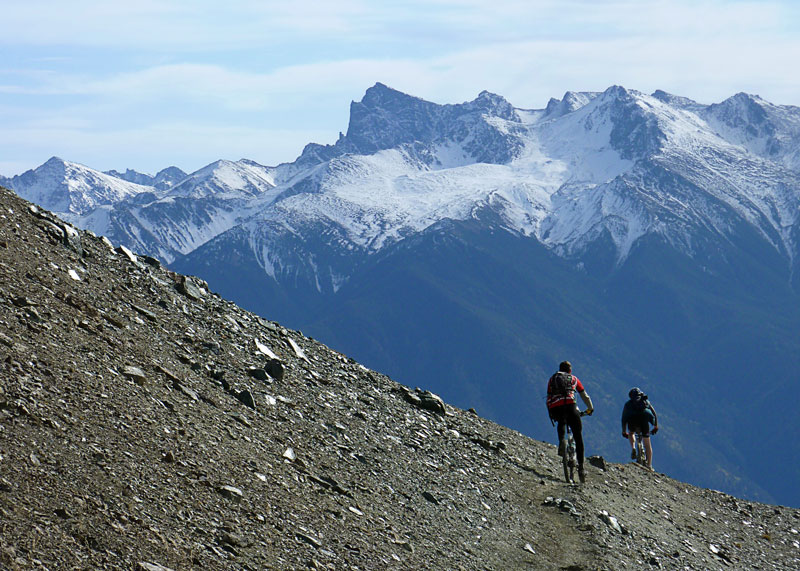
(246, 398)
(233, 539)
(430, 401)
(136, 374)
(22, 301)
(610, 521)
(34, 315)
(145, 566)
(258, 374)
(72, 238)
(424, 399)
(308, 539)
(231, 493)
(129, 255)
(598, 462)
(275, 369)
(145, 312)
(187, 287)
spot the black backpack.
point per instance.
(640, 403)
(561, 385)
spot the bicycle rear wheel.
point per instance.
(565, 462)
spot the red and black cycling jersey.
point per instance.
(554, 400)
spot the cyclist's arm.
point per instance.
(587, 400)
(655, 416)
(625, 416)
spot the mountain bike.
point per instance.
(641, 455)
(569, 460)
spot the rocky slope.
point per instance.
(146, 423)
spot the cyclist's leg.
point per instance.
(558, 416)
(645, 430)
(574, 421)
(632, 439)
(560, 429)
(648, 451)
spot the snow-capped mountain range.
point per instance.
(467, 248)
(619, 161)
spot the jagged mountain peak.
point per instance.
(676, 100)
(243, 177)
(73, 188)
(53, 161)
(636, 124)
(386, 118)
(762, 128)
(741, 109)
(164, 179)
(571, 101)
(618, 91)
(495, 105)
(381, 95)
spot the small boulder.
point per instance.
(258, 374)
(128, 254)
(136, 374)
(598, 462)
(432, 402)
(275, 369)
(72, 239)
(187, 287)
(231, 493)
(246, 398)
(145, 566)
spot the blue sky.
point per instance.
(149, 84)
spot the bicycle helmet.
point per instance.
(635, 393)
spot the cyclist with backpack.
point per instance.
(563, 409)
(637, 416)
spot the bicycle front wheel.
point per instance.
(640, 455)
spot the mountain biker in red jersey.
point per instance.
(564, 410)
(637, 416)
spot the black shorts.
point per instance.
(640, 423)
(568, 414)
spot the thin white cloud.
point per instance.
(94, 70)
(202, 25)
(152, 147)
(186, 25)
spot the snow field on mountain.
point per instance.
(64, 186)
(580, 141)
(243, 178)
(566, 184)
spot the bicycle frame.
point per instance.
(641, 455)
(570, 459)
